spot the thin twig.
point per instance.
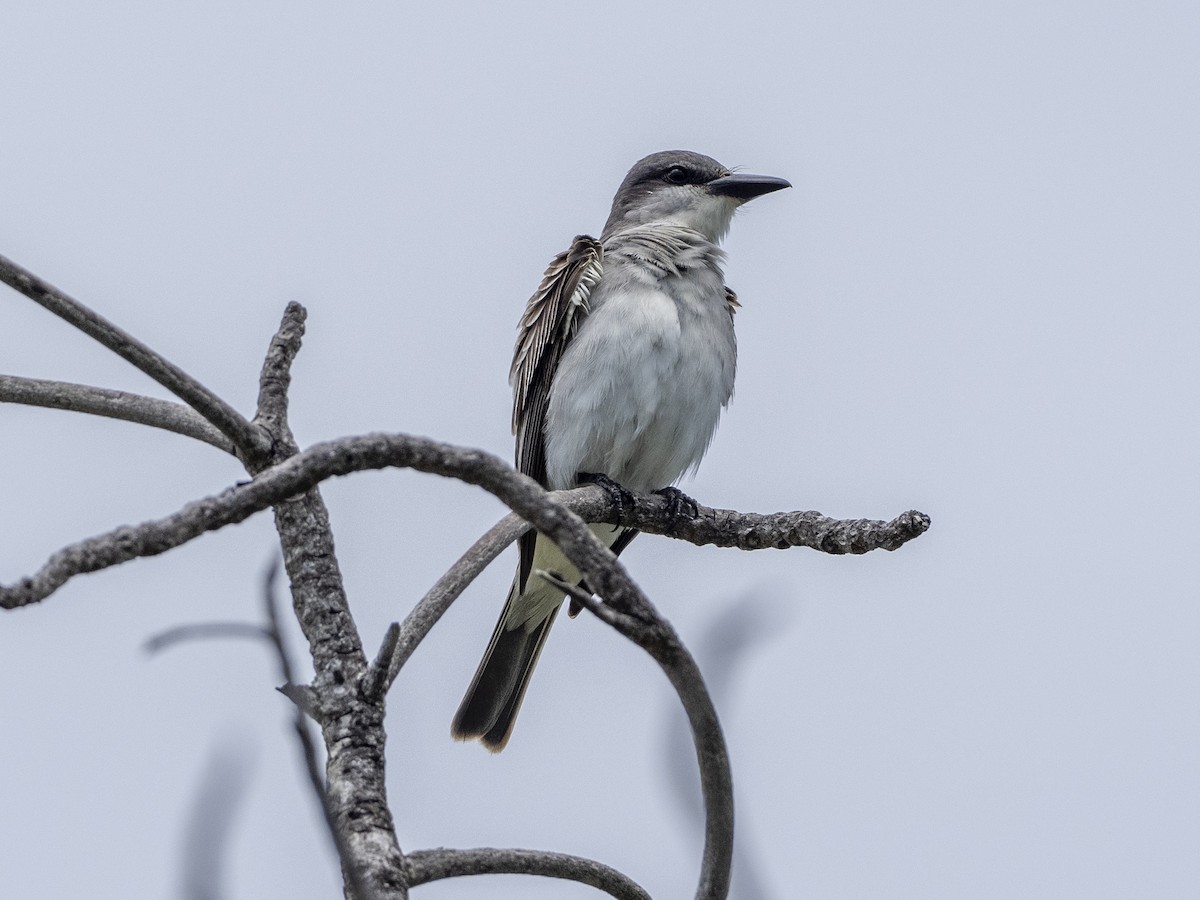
(250, 440)
(432, 865)
(222, 791)
(204, 631)
(588, 601)
(437, 600)
(304, 697)
(96, 401)
(373, 685)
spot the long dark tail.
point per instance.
(489, 709)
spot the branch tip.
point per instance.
(375, 682)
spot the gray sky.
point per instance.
(979, 300)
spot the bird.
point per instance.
(624, 362)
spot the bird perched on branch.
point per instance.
(625, 358)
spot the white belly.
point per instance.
(640, 389)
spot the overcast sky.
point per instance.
(981, 299)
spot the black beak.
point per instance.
(747, 187)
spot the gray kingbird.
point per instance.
(625, 358)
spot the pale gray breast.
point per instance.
(640, 389)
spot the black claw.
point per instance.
(679, 506)
(617, 493)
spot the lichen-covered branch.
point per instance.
(432, 865)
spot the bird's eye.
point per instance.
(676, 175)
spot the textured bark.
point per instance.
(354, 796)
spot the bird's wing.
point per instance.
(731, 301)
(551, 318)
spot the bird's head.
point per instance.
(685, 188)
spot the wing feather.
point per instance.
(551, 319)
(731, 301)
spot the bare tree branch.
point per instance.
(647, 628)
(723, 528)
(251, 441)
(373, 686)
(354, 793)
(195, 631)
(276, 375)
(308, 747)
(96, 401)
(222, 793)
(432, 865)
(336, 649)
(758, 531)
(739, 627)
(434, 604)
(351, 718)
(744, 530)
(346, 697)
(719, 527)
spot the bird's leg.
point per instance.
(617, 493)
(679, 506)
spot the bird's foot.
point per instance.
(617, 493)
(679, 506)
